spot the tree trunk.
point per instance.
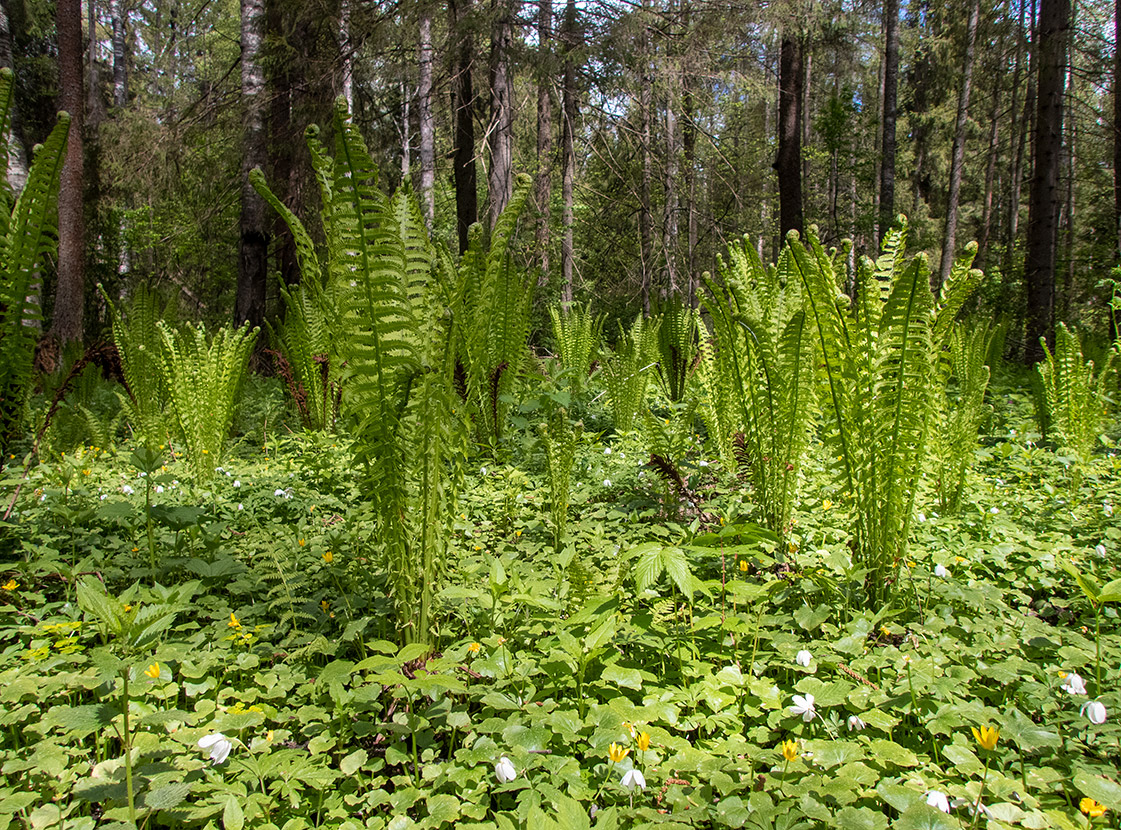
(500, 184)
(67, 325)
(545, 133)
(17, 156)
(427, 122)
(889, 112)
(1117, 122)
(957, 154)
(689, 150)
(283, 176)
(572, 42)
(990, 179)
(788, 164)
(669, 219)
(120, 57)
(1050, 49)
(1021, 127)
(347, 52)
(252, 271)
(463, 103)
(645, 208)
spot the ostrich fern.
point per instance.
(393, 342)
(758, 374)
(626, 371)
(880, 354)
(203, 376)
(576, 333)
(1071, 395)
(26, 238)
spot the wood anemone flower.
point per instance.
(987, 736)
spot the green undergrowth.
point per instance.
(670, 638)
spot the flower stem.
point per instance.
(127, 740)
(981, 792)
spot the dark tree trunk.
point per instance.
(1117, 122)
(252, 271)
(689, 154)
(1050, 50)
(545, 133)
(463, 103)
(572, 43)
(427, 122)
(283, 174)
(67, 325)
(500, 181)
(957, 153)
(888, 114)
(1021, 127)
(789, 161)
(990, 179)
(645, 208)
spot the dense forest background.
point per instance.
(656, 131)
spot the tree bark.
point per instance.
(120, 56)
(572, 42)
(500, 184)
(670, 235)
(689, 151)
(957, 153)
(645, 208)
(347, 51)
(1050, 50)
(788, 164)
(67, 324)
(545, 134)
(17, 156)
(427, 122)
(990, 179)
(252, 271)
(1021, 127)
(1117, 122)
(888, 114)
(463, 103)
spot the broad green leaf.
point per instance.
(353, 762)
(622, 676)
(232, 816)
(922, 816)
(1100, 789)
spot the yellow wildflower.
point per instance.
(501, 640)
(11, 585)
(474, 648)
(153, 671)
(617, 753)
(328, 557)
(1091, 808)
(234, 621)
(303, 542)
(628, 727)
(743, 565)
(790, 750)
(644, 741)
(987, 736)
(324, 605)
(827, 504)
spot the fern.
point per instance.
(491, 310)
(26, 238)
(140, 344)
(956, 417)
(677, 348)
(203, 377)
(385, 308)
(576, 333)
(561, 438)
(880, 356)
(627, 370)
(758, 375)
(1071, 396)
